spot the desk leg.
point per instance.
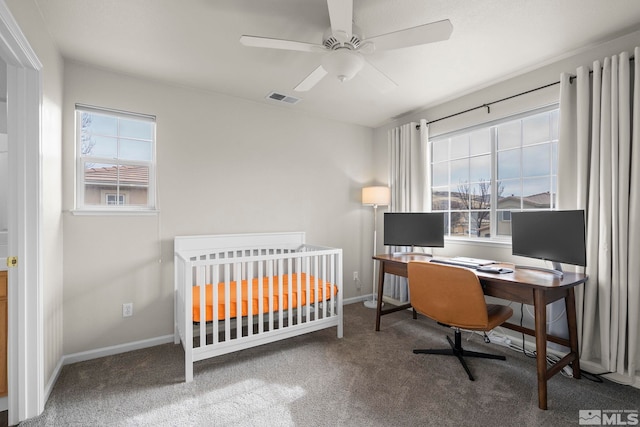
(380, 293)
(540, 308)
(570, 305)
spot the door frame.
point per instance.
(25, 328)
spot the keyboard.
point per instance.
(458, 263)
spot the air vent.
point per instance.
(278, 97)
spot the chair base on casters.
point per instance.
(459, 352)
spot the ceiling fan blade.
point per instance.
(377, 78)
(256, 41)
(422, 34)
(341, 16)
(311, 80)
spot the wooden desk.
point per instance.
(532, 287)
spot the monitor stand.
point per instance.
(412, 252)
(556, 270)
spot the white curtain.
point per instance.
(599, 171)
(409, 183)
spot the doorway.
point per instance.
(25, 331)
(4, 209)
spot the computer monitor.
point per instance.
(556, 236)
(424, 229)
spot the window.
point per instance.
(479, 176)
(115, 153)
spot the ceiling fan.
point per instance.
(343, 46)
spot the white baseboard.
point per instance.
(115, 349)
(52, 380)
(354, 300)
(101, 352)
(123, 348)
(585, 365)
(151, 342)
(595, 368)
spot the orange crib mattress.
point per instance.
(323, 288)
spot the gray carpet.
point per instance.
(367, 378)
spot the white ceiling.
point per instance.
(195, 43)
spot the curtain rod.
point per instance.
(489, 104)
(572, 78)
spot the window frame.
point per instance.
(495, 213)
(81, 207)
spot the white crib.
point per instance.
(260, 287)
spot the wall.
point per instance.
(28, 17)
(225, 165)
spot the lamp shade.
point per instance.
(378, 195)
(343, 63)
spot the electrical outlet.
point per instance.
(127, 309)
(356, 279)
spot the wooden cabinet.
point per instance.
(3, 333)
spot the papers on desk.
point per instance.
(460, 261)
(477, 261)
(451, 261)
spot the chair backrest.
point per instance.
(448, 294)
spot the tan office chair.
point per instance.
(453, 296)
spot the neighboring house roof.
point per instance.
(112, 175)
(540, 200)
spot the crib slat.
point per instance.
(332, 279)
(260, 298)
(289, 293)
(270, 296)
(280, 296)
(250, 313)
(215, 292)
(227, 302)
(307, 269)
(315, 285)
(321, 279)
(299, 289)
(201, 281)
(238, 278)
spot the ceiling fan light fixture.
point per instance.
(343, 63)
(344, 44)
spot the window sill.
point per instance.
(496, 243)
(114, 212)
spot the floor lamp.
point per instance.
(375, 196)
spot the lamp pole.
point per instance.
(375, 196)
(374, 300)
